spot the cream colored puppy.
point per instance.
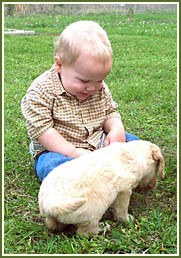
(80, 191)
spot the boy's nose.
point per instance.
(91, 88)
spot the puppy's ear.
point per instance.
(156, 154)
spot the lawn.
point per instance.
(143, 81)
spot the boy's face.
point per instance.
(84, 77)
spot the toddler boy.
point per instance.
(69, 110)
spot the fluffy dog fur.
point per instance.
(80, 191)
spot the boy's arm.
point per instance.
(36, 107)
(113, 125)
(115, 131)
(52, 140)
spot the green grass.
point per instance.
(144, 83)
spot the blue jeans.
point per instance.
(47, 161)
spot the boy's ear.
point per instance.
(58, 64)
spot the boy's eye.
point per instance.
(84, 81)
(89, 81)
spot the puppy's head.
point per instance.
(155, 165)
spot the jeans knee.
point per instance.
(131, 137)
(47, 161)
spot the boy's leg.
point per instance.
(47, 161)
(131, 137)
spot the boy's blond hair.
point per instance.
(83, 35)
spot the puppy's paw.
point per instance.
(88, 228)
(53, 225)
(126, 219)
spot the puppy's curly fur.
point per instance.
(80, 191)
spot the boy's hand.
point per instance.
(115, 131)
(79, 152)
(114, 135)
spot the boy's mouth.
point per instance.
(85, 94)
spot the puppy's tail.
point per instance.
(69, 206)
(62, 207)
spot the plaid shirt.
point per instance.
(47, 104)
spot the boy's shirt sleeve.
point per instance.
(110, 105)
(36, 108)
